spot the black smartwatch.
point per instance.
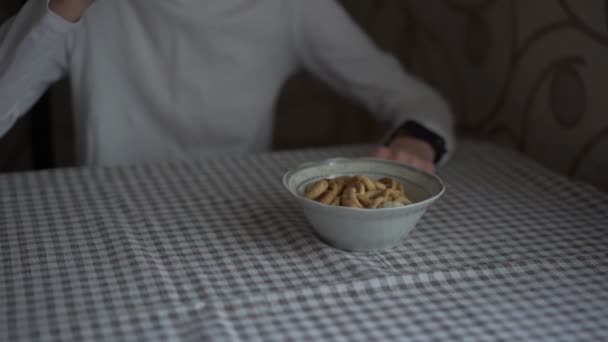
(415, 130)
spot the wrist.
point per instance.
(420, 148)
(421, 136)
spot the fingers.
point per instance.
(421, 164)
(405, 157)
(410, 159)
(382, 152)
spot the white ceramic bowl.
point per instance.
(364, 230)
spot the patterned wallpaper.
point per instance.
(530, 74)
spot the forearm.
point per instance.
(32, 56)
(330, 44)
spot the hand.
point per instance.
(408, 150)
(70, 10)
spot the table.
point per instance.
(215, 249)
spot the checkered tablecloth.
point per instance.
(215, 249)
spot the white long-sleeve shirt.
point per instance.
(165, 79)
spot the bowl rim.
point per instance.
(428, 201)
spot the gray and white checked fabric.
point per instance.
(215, 249)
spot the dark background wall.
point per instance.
(16, 147)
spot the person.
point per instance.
(163, 79)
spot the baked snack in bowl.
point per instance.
(362, 227)
(358, 191)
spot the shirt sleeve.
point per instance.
(33, 55)
(332, 46)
